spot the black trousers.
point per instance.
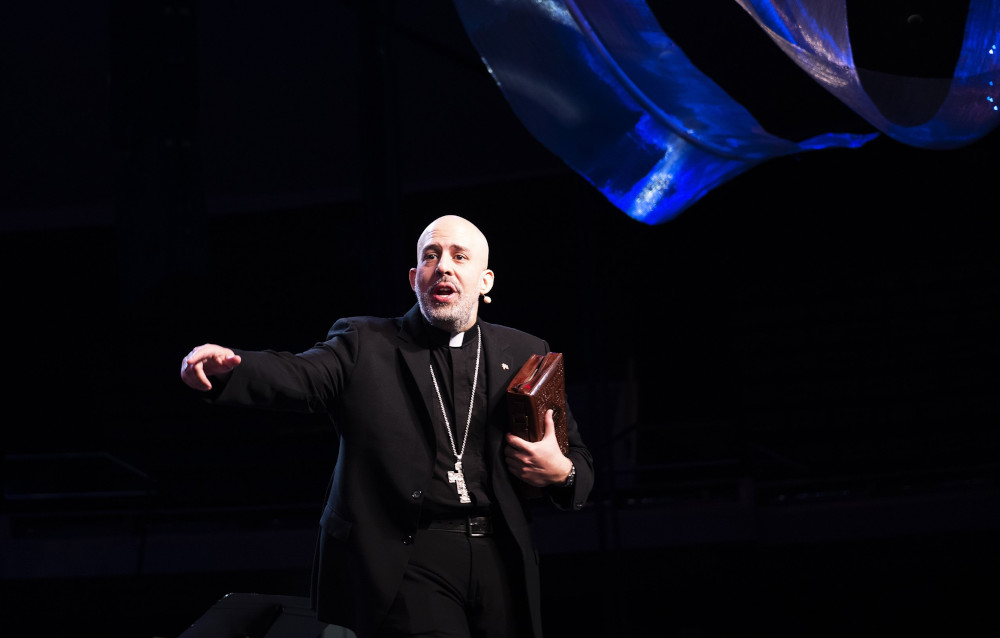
(456, 586)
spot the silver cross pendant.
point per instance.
(458, 478)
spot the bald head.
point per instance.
(456, 230)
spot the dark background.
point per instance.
(790, 389)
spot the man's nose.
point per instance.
(445, 265)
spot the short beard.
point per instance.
(450, 317)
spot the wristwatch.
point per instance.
(572, 476)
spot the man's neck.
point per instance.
(450, 329)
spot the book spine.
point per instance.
(520, 416)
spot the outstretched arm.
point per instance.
(208, 360)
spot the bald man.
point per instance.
(423, 532)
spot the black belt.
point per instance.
(468, 525)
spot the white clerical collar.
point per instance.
(457, 339)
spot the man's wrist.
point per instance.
(571, 477)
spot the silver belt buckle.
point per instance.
(477, 526)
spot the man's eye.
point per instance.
(460, 257)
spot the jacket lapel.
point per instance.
(500, 370)
(417, 360)
(499, 366)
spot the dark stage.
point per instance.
(790, 390)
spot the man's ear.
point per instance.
(413, 279)
(487, 282)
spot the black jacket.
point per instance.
(371, 376)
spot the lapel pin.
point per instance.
(505, 366)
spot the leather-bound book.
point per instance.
(538, 386)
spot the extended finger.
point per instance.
(194, 375)
(199, 369)
(550, 423)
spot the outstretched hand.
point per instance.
(540, 463)
(205, 361)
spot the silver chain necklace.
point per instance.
(458, 477)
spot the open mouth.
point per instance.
(443, 292)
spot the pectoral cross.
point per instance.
(458, 478)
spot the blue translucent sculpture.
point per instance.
(814, 33)
(601, 85)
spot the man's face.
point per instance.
(451, 273)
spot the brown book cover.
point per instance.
(539, 385)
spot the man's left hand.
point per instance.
(541, 463)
